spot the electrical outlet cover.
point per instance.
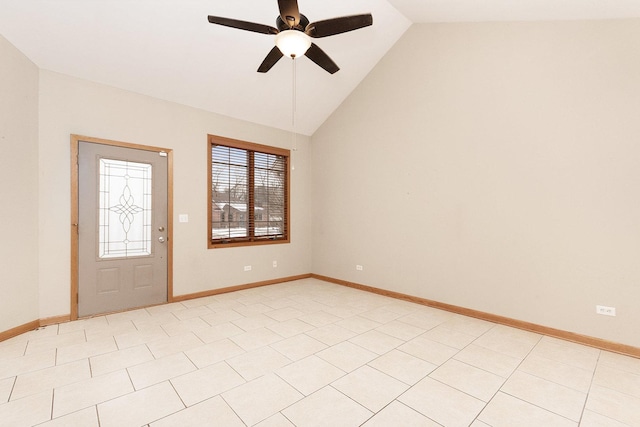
(606, 311)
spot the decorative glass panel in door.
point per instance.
(124, 213)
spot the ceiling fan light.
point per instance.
(293, 43)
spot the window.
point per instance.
(248, 193)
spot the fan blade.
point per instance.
(330, 27)
(289, 12)
(271, 59)
(318, 56)
(243, 25)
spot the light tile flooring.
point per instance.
(308, 353)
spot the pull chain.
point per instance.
(294, 142)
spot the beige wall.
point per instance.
(72, 106)
(496, 167)
(19, 188)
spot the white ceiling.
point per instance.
(515, 10)
(168, 50)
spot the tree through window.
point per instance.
(248, 193)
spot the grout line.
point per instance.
(500, 390)
(180, 397)
(537, 406)
(13, 386)
(584, 406)
(231, 407)
(53, 394)
(97, 414)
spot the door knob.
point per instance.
(161, 239)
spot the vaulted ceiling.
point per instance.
(168, 50)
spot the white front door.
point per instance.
(122, 228)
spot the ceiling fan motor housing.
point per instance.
(282, 26)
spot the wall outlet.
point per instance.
(275, 264)
(359, 267)
(247, 268)
(606, 311)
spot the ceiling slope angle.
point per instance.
(168, 50)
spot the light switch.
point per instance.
(183, 218)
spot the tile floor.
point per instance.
(308, 353)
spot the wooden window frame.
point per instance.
(251, 239)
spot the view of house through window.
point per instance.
(248, 193)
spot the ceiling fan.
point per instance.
(294, 33)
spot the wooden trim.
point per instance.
(209, 232)
(169, 225)
(239, 287)
(245, 145)
(54, 320)
(519, 324)
(78, 138)
(532, 327)
(68, 317)
(248, 243)
(250, 240)
(14, 332)
(75, 143)
(287, 205)
(75, 267)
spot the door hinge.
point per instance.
(78, 298)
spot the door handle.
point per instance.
(161, 239)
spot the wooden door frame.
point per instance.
(75, 144)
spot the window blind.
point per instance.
(248, 193)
